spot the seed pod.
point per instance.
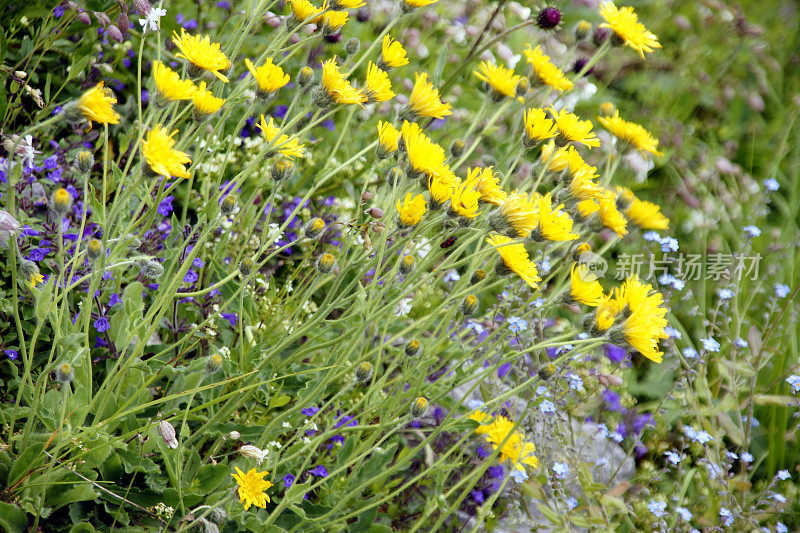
(151, 269)
(167, 432)
(352, 45)
(123, 22)
(457, 148)
(234, 435)
(364, 373)
(469, 305)
(8, 224)
(406, 264)
(65, 373)
(214, 363)
(101, 18)
(305, 77)
(94, 248)
(62, 201)
(600, 35)
(477, 276)
(142, 7)
(253, 452)
(114, 33)
(325, 263)
(84, 160)
(412, 347)
(246, 266)
(314, 228)
(547, 371)
(85, 18)
(419, 407)
(375, 212)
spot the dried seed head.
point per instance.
(477, 276)
(314, 228)
(94, 248)
(412, 347)
(548, 18)
(62, 201)
(167, 432)
(375, 212)
(419, 407)
(406, 264)
(325, 263)
(364, 373)
(469, 305)
(214, 363)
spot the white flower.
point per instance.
(27, 151)
(403, 307)
(153, 19)
(254, 452)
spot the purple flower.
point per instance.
(191, 277)
(288, 480)
(230, 317)
(309, 411)
(615, 353)
(114, 299)
(12, 354)
(477, 495)
(197, 263)
(495, 472)
(319, 471)
(38, 254)
(58, 12)
(348, 421)
(503, 370)
(611, 399)
(165, 207)
(337, 439)
(482, 452)
(102, 324)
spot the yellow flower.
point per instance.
(502, 80)
(425, 101)
(545, 70)
(270, 77)
(626, 26)
(388, 138)
(464, 201)
(441, 187)
(515, 258)
(488, 184)
(538, 127)
(484, 420)
(170, 85)
(583, 186)
(556, 160)
(393, 54)
(251, 488)
(205, 103)
(646, 321)
(409, 5)
(611, 216)
(411, 210)
(587, 208)
(630, 133)
(572, 129)
(160, 155)
(519, 213)
(511, 444)
(337, 88)
(377, 86)
(646, 215)
(346, 4)
(304, 11)
(97, 105)
(608, 310)
(332, 21)
(424, 156)
(35, 279)
(554, 224)
(290, 147)
(202, 53)
(584, 286)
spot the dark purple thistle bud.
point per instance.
(363, 14)
(102, 18)
(334, 38)
(548, 18)
(600, 35)
(580, 63)
(114, 33)
(85, 18)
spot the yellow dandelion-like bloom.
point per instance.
(346, 4)
(252, 487)
(35, 279)
(441, 187)
(646, 215)
(488, 184)
(512, 446)
(519, 213)
(97, 105)
(388, 138)
(611, 216)
(630, 133)
(332, 21)
(464, 201)
(484, 419)
(393, 54)
(202, 53)
(424, 156)
(170, 85)
(626, 26)
(160, 155)
(205, 103)
(411, 210)
(269, 77)
(646, 321)
(587, 208)
(515, 258)
(608, 310)
(304, 11)
(425, 100)
(584, 286)
(546, 71)
(572, 129)
(377, 86)
(583, 187)
(554, 224)
(290, 147)
(409, 5)
(538, 127)
(337, 87)
(557, 160)
(502, 80)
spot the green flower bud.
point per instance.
(469, 305)
(214, 363)
(94, 248)
(412, 347)
(477, 276)
(229, 205)
(62, 201)
(582, 30)
(352, 46)
(457, 148)
(305, 77)
(84, 161)
(523, 86)
(282, 169)
(395, 175)
(419, 407)
(547, 371)
(151, 269)
(364, 373)
(325, 263)
(65, 373)
(314, 228)
(406, 264)
(246, 266)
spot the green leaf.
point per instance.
(12, 518)
(44, 300)
(279, 401)
(211, 477)
(76, 493)
(365, 521)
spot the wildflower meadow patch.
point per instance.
(399, 265)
